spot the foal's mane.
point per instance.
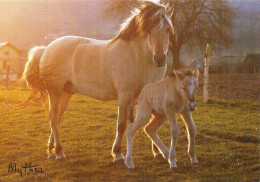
(184, 71)
(142, 20)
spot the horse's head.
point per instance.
(150, 22)
(158, 34)
(189, 86)
(158, 41)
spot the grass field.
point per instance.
(227, 143)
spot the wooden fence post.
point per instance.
(7, 76)
(206, 74)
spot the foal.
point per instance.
(164, 99)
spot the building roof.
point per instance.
(4, 44)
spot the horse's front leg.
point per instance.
(191, 130)
(121, 126)
(171, 115)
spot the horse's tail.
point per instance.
(32, 77)
(31, 70)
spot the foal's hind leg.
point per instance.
(157, 121)
(191, 130)
(142, 118)
(151, 130)
(130, 111)
(64, 102)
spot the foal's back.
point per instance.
(159, 94)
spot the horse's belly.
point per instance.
(96, 90)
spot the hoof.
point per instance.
(61, 157)
(119, 158)
(129, 163)
(158, 156)
(173, 164)
(194, 161)
(130, 166)
(51, 157)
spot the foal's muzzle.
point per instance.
(159, 59)
(192, 106)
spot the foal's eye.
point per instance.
(183, 88)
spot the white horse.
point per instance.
(106, 70)
(164, 99)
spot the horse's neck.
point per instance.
(138, 48)
(142, 49)
(140, 55)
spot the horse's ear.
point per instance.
(179, 74)
(170, 11)
(196, 73)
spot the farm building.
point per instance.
(251, 63)
(10, 61)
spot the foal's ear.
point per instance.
(196, 73)
(172, 73)
(179, 74)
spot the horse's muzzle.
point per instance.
(192, 106)
(159, 59)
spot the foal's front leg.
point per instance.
(171, 115)
(191, 130)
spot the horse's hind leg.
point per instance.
(191, 130)
(64, 102)
(54, 111)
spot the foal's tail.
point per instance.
(31, 76)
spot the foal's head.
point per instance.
(149, 21)
(189, 86)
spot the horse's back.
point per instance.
(80, 63)
(55, 61)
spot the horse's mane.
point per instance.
(142, 20)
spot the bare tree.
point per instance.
(196, 23)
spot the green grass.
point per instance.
(227, 143)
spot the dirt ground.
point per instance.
(233, 86)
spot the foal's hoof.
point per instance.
(130, 166)
(158, 156)
(51, 157)
(173, 164)
(119, 158)
(61, 157)
(129, 163)
(194, 161)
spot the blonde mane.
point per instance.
(142, 20)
